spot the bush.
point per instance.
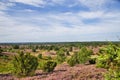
(16, 47)
(24, 65)
(60, 56)
(92, 59)
(84, 55)
(40, 56)
(73, 60)
(109, 58)
(67, 53)
(49, 66)
(81, 57)
(33, 50)
(1, 50)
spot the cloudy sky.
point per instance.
(59, 20)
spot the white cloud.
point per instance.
(94, 4)
(5, 6)
(36, 3)
(39, 3)
(91, 14)
(52, 26)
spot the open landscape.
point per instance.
(59, 39)
(73, 60)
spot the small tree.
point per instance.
(24, 65)
(49, 66)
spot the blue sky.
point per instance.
(59, 20)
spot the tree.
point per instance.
(24, 65)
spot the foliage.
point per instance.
(81, 57)
(1, 50)
(33, 50)
(15, 46)
(40, 56)
(73, 60)
(49, 66)
(67, 53)
(61, 56)
(48, 57)
(24, 65)
(6, 67)
(92, 60)
(84, 55)
(5, 57)
(109, 58)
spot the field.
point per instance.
(74, 60)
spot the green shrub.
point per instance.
(84, 55)
(49, 57)
(1, 50)
(24, 65)
(81, 57)
(67, 53)
(6, 67)
(33, 50)
(49, 66)
(60, 56)
(40, 56)
(73, 60)
(109, 58)
(92, 59)
(15, 46)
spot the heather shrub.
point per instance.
(24, 65)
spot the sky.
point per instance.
(59, 20)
